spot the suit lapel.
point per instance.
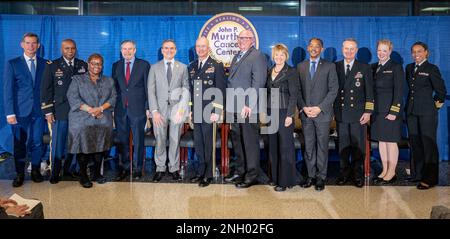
(133, 75)
(26, 69)
(237, 64)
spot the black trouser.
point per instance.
(351, 138)
(83, 161)
(245, 139)
(425, 155)
(203, 133)
(282, 153)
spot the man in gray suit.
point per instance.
(318, 90)
(248, 72)
(168, 98)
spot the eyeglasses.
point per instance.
(244, 38)
(95, 63)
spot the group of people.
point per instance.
(80, 105)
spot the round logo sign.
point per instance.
(222, 31)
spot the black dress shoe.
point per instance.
(176, 176)
(122, 175)
(205, 182)
(36, 176)
(279, 188)
(320, 185)
(158, 176)
(245, 184)
(359, 183)
(390, 181)
(307, 183)
(377, 180)
(137, 175)
(422, 186)
(54, 180)
(18, 180)
(236, 178)
(196, 179)
(271, 183)
(342, 181)
(86, 183)
(100, 179)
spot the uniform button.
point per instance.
(342, 105)
(342, 98)
(342, 91)
(196, 94)
(412, 92)
(196, 88)
(198, 83)
(351, 105)
(412, 98)
(351, 98)
(412, 84)
(198, 77)
(351, 91)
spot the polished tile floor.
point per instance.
(171, 200)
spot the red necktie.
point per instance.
(127, 73)
(127, 78)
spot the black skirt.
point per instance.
(385, 130)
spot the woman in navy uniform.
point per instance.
(284, 78)
(426, 96)
(386, 127)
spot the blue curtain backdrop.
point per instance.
(104, 34)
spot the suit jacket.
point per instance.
(287, 84)
(355, 95)
(212, 75)
(388, 87)
(55, 83)
(249, 72)
(320, 91)
(161, 95)
(21, 96)
(136, 90)
(422, 84)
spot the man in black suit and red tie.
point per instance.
(131, 112)
(353, 106)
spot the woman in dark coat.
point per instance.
(92, 97)
(386, 127)
(284, 78)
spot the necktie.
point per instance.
(347, 72)
(312, 70)
(239, 57)
(416, 67)
(70, 65)
(200, 66)
(33, 69)
(127, 73)
(378, 68)
(169, 72)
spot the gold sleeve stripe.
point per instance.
(218, 106)
(369, 105)
(395, 108)
(43, 107)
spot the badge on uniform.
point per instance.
(205, 82)
(210, 70)
(60, 82)
(423, 74)
(59, 73)
(210, 82)
(357, 83)
(358, 75)
(387, 71)
(82, 70)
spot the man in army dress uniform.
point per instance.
(56, 80)
(205, 74)
(353, 107)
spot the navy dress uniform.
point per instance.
(426, 87)
(355, 97)
(55, 83)
(202, 78)
(388, 91)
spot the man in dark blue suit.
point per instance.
(21, 97)
(130, 77)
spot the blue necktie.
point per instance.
(312, 70)
(239, 57)
(33, 69)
